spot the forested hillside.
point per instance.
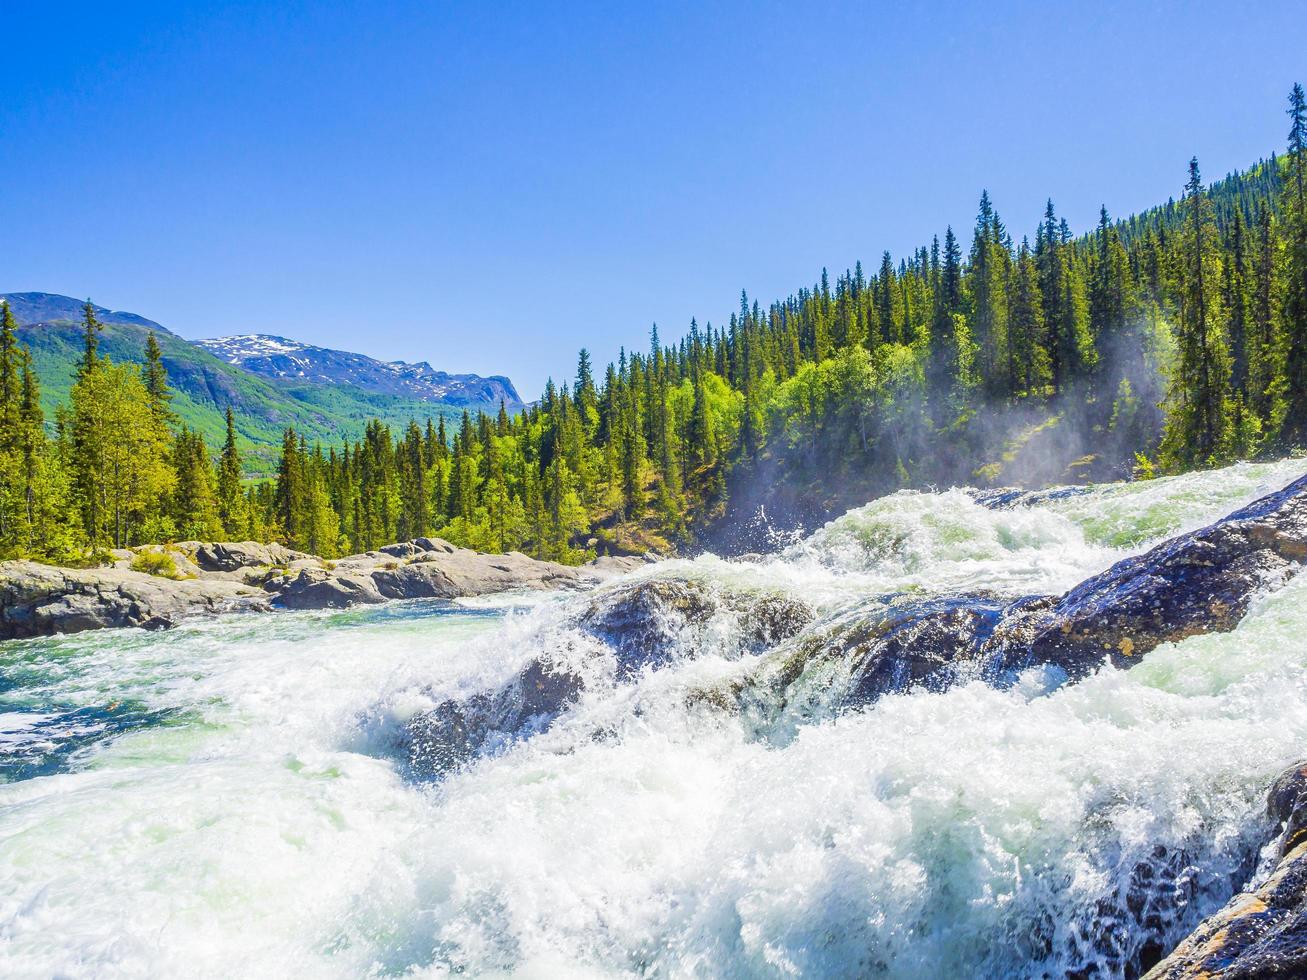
(205, 385)
(1172, 340)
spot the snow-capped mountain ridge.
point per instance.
(283, 359)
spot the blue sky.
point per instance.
(491, 187)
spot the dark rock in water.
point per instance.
(643, 624)
(1007, 498)
(896, 646)
(1286, 804)
(914, 644)
(646, 622)
(455, 731)
(891, 644)
(771, 620)
(1260, 933)
(1201, 582)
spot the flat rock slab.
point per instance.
(38, 600)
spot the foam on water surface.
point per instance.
(220, 800)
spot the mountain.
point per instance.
(51, 308)
(325, 406)
(280, 359)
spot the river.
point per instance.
(227, 799)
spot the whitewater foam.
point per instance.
(255, 825)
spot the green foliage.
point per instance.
(158, 563)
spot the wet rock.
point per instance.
(772, 619)
(1262, 932)
(1008, 498)
(1286, 804)
(1201, 582)
(647, 622)
(916, 644)
(642, 623)
(453, 732)
(886, 645)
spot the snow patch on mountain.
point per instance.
(289, 360)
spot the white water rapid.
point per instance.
(226, 799)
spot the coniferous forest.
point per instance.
(1172, 340)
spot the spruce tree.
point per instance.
(91, 328)
(155, 376)
(231, 501)
(1293, 431)
(1199, 396)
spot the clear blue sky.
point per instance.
(490, 187)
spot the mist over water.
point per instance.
(227, 798)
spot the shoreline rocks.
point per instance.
(246, 576)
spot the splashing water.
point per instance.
(225, 799)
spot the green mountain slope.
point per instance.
(205, 385)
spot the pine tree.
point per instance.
(12, 503)
(289, 500)
(1199, 396)
(987, 274)
(91, 328)
(155, 376)
(195, 505)
(1265, 378)
(231, 501)
(1293, 431)
(119, 467)
(948, 339)
(1028, 363)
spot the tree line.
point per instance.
(1177, 339)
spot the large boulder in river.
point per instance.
(454, 731)
(638, 625)
(1201, 582)
(646, 622)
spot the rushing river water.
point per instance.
(226, 799)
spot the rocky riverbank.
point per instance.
(204, 577)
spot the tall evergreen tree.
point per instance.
(1293, 431)
(1199, 397)
(231, 501)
